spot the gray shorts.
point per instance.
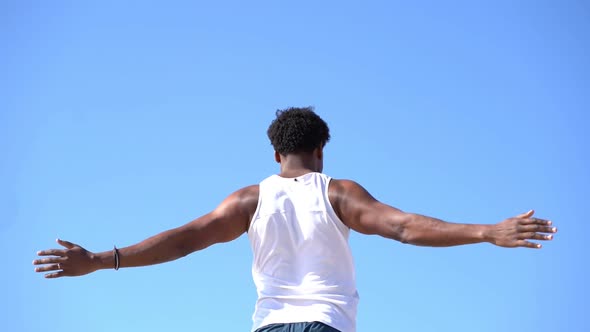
(297, 327)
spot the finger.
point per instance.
(527, 244)
(529, 221)
(537, 228)
(52, 267)
(51, 252)
(66, 244)
(535, 236)
(50, 260)
(526, 214)
(542, 221)
(55, 275)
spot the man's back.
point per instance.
(302, 267)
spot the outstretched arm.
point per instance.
(227, 222)
(363, 213)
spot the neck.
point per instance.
(297, 165)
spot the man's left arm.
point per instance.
(360, 211)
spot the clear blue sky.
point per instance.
(121, 119)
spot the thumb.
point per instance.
(66, 244)
(526, 214)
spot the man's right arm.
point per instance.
(225, 223)
(363, 213)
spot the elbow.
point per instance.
(400, 228)
(187, 242)
(183, 250)
(403, 231)
(405, 237)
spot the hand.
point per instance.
(70, 262)
(515, 232)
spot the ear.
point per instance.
(277, 157)
(320, 153)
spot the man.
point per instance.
(298, 224)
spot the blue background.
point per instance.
(119, 120)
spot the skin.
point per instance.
(353, 204)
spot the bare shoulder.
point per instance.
(247, 198)
(232, 217)
(336, 191)
(248, 192)
(348, 198)
(345, 190)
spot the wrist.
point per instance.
(103, 260)
(487, 233)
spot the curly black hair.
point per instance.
(297, 130)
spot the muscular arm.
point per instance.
(363, 213)
(227, 222)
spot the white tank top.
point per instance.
(303, 267)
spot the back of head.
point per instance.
(297, 130)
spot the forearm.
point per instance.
(198, 234)
(426, 231)
(161, 248)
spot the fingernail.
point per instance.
(554, 229)
(538, 246)
(549, 237)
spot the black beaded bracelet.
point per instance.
(116, 254)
